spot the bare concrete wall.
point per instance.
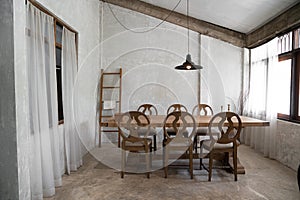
(288, 140)
(8, 156)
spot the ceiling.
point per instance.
(240, 15)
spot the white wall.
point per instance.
(221, 77)
(148, 60)
(83, 16)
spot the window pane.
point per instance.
(59, 95)
(58, 56)
(284, 87)
(257, 97)
(59, 30)
(297, 38)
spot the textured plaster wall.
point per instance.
(288, 144)
(151, 56)
(148, 59)
(221, 77)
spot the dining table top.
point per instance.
(201, 121)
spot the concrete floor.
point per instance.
(264, 179)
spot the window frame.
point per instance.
(294, 55)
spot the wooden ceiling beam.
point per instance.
(233, 37)
(279, 25)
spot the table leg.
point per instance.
(240, 167)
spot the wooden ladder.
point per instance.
(103, 113)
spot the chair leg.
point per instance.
(191, 160)
(201, 154)
(165, 159)
(196, 143)
(235, 163)
(123, 162)
(210, 166)
(147, 159)
(201, 163)
(154, 140)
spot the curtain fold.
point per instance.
(261, 102)
(69, 70)
(43, 113)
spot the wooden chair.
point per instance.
(229, 126)
(201, 110)
(173, 108)
(181, 122)
(149, 109)
(129, 125)
(176, 107)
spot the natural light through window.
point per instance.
(284, 87)
(257, 97)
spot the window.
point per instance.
(58, 50)
(58, 29)
(289, 68)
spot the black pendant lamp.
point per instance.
(188, 64)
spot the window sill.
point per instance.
(289, 120)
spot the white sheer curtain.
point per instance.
(45, 171)
(262, 101)
(69, 71)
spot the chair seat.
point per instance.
(206, 145)
(172, 132)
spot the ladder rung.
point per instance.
(111, 73)
(107, 116)
(109, 131)
(109, 100)
(110, 87)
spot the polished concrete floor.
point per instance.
(264, 179)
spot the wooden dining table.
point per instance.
(201, 121)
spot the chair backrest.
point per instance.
(176, 107)
(130, 123)
(228, 126)
(202, 109)
(183, 124)
(147, 109)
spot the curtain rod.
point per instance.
(45, 10)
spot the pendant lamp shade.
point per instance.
(188, 64)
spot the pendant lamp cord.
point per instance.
(188, 24)
(150, 29)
